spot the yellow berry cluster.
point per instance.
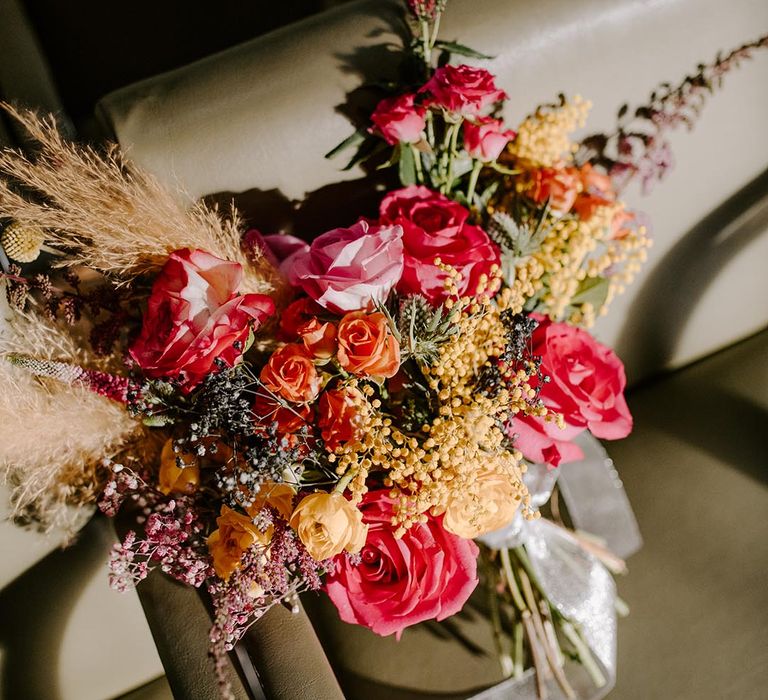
(425, 469)
(543, 139)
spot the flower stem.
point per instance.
(454, 133)
(345, 480)
(417, 164)
(473, 181)
(426, 46)
(585, 655)
(509, 575)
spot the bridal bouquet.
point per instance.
(360, 414)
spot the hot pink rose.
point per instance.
(462, 89)
(349, 269)
(586, 385)
(435, 227)
(194, 316)
(484, 138)
(398, 119)
(427, 574)
(545, 443)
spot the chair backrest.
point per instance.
(257, 119)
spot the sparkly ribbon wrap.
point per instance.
(573, 580)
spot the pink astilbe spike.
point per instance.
(104, 384)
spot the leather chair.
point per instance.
(253, 122)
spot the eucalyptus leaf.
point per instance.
(593, 290)
(355, 139)
(460, 49)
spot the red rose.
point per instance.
(339, 417)
(194, 316)
(586, 386)
(290, 373)
(484, 138)
(435, 227)
(427, 574)
(297, 314)
(558, 185)
(267, 412)
(398, 119)
(462, 89)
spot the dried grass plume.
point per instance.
(53, 436)
(108, 213)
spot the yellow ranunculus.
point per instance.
(173, 478)
(277, 496)
(490, 505)
(327, 524)
(235, 536)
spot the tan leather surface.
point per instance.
(259, 117)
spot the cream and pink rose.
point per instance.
(436, 227)
(399, 120)
(348, 269)
(426, 574)
(195, 316)
(485, 138)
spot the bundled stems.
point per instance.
(536, 625)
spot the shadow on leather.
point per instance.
(715, 420)
(35, 608)
(669, 295)
(332, 206)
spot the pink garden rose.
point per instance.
(435, 227)
(427, 574)
(586, 385)
(462, 90)
(349, 269)
(485, 139)
(398, 119)
(194, 316)
(277, 248)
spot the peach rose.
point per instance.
(328, 524)
(235, 535)
(489, 506)
(339, 418)
(173, 478)
(319, 339)
(558, 185)
(290, 373)
(367, 346)
(277, 496)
